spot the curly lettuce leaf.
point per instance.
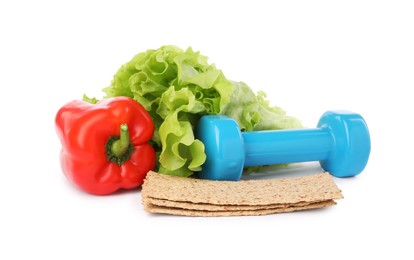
(177, 87)
(253, 112)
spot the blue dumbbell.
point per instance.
(341, 144)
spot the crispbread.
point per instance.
(201, 213)
(194, 197)
(216, 207)
(316, 187)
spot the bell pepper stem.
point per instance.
(119, 147)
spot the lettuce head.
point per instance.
(179, 86)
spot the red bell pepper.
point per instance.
(105, 145)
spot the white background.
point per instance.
(309, 56)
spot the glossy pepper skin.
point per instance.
(105, 145)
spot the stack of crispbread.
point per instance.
(195, 197)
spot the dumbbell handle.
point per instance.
(286, 146)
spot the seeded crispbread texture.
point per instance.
(194, 197)
(317, 187)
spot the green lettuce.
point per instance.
(177, 87)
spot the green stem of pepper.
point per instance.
(119, 148)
